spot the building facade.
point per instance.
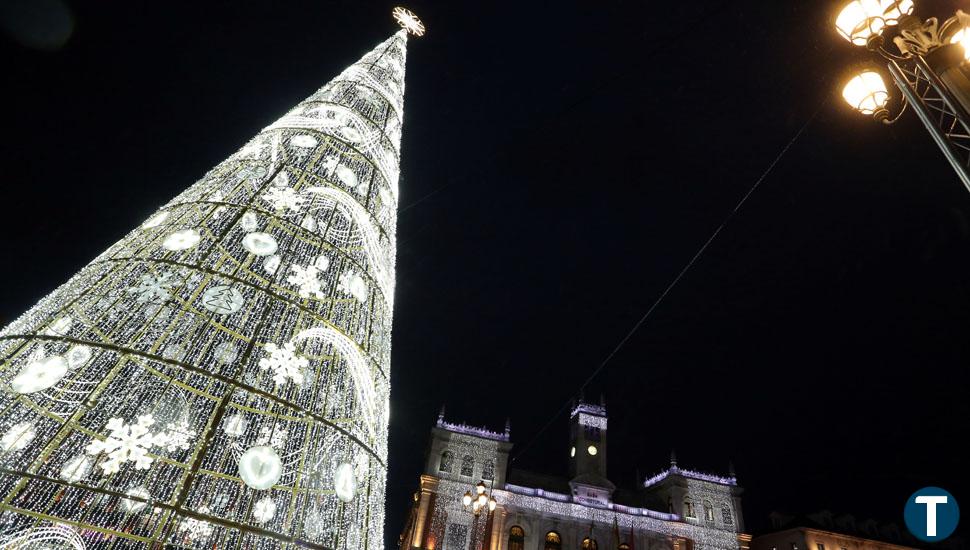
(676, 509)
(824, 530)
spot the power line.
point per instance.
(674, 282)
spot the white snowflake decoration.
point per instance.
(178, 436)
(284, 198)
(197, 528)
(18, 436)
(306, 279)
(264, 510)
(126, 443)
(285, 363)
(353, 284)
(153, 288)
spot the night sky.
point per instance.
(562, 162)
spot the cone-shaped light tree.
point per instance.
(219, 378)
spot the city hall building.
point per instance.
(677, 509)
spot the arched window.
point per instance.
(670, 505)
(447, 462)
(467, 465)
(726, 516)
(689, 508)
(623, 546)
(488, 470)
(553, 541)
(516, 538)
(589, 544)
(708, 511)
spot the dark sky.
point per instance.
(561, 164)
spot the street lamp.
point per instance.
(931, 70)
(478, 501)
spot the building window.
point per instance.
(794, 546)
(516, 538)
(488, 470)
(467, 465)
(820, 546)
(728, 518)
(670, 505)
(447, 463)
(553, 541)
(592, 433)
(708, 511)
(588, 544)
(689, 508)
(623, 546)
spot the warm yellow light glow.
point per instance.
(482, 500)
(467, 499)
(591, 450)
(408, 21)
(480, 487)
(962, 37)
(492, 504)
(476, 506)
(866, 92)
(859, 20)
(893, 10)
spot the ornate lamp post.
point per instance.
(478, 501)
(930, 70)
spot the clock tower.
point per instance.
(587, 454)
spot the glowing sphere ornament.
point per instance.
(260, 244)
(156, 220)
(345, 482)
(134, 506)
(39, 375)
(260, 467)
(181, 240)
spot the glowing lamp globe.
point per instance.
(480, 487)
(491, 504)
(962, 37)
(861, 22)
(467, 499)
(866, 93)
(894, 10)
(260, 467)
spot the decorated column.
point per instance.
(219, 378)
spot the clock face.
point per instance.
(591, 450)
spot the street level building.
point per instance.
(677, 509)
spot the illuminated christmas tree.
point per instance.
(219, 378)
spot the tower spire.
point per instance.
(243, 329)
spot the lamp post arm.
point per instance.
(922, 110)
